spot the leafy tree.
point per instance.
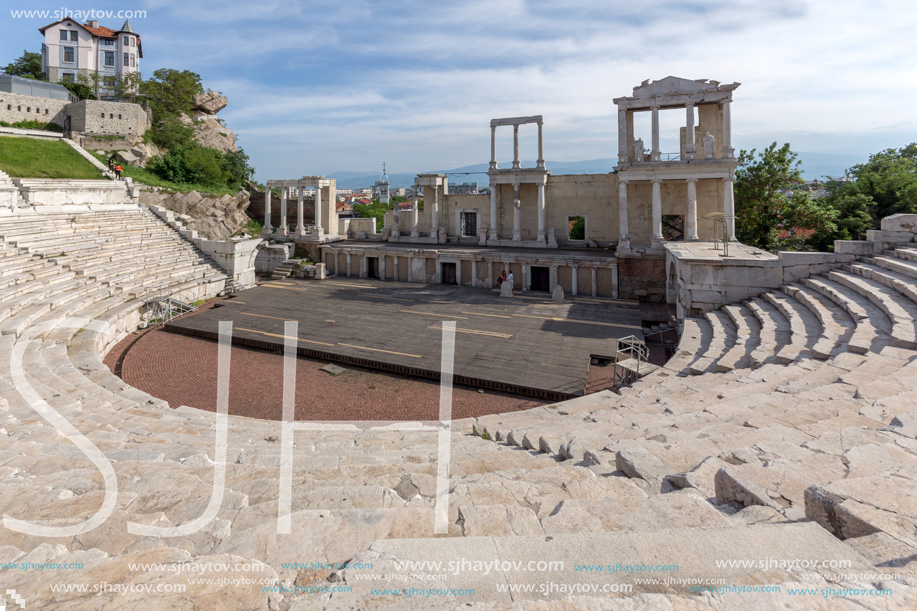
(28, 65)
(171, 92)
(237, 168)
(170, 132)
(81, 91)
(889, 178)
(578, 228)
(767, 218)
(374, 210)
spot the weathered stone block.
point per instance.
(900, 223)
(854, 247)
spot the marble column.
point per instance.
(595, 284)
(690, 149)
(267, 230)
(655, 154)
(458, 222)
(491, 281)
(614, 281)
(395, 268)
(541, 211)
(474, 273)
(553, 280)
(574, 270)
(622, 136)
(729, 207)
(364, 266)
(517, 211)
(656, 232)
(438, 278)
(348, 264)
(381, 267)
(283, 229)
(728, 151)
(318, 213)
(516, 164)
(526, 277)
(415, 215)
(540, 146)
(300, 224)
(493, 212)
(691, 216)
(493, 147)
(624, 237)
(434, 212)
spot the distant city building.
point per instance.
(466, 188)
(381, 189)
(398, 192)
(72, 48)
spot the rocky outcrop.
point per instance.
(139, 154)
(210, 131)
(213, 218)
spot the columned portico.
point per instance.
(691, 216)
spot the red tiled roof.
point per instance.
(101, 31)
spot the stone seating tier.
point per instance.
(789, 407)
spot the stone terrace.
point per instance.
(784, 428)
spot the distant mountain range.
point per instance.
(814, 165)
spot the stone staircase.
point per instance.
(773, 433)
(90, 158)
(284, 269)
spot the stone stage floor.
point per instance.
(526, 344)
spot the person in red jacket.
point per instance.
(118, 171)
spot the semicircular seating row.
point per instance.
(778, 404)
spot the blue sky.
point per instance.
(321, 86)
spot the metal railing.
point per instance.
(629, 348)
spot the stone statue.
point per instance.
(638, 150)
(709, 146)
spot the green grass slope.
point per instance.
(34, 158)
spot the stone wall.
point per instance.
(269, 256)
(15, 107)
(641, 277)
(66, 192)
(107, 118)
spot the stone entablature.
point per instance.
(578, 273)
(326, 216)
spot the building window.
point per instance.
(110, 58)
(73, 36)
(68, 54)
(133, 43)
(46, 111)
(132, 60)
(127, 61)
(19, 109)
(576, 227)
(108, 42)
(119, 116)
(67, 77)
(28, 109)
(103, 115)
(111, 115)
(63, 35)
(9, 107)
(127, 41)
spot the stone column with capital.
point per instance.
(283, 228)
(540, 146)
(690, 149)
(516, 164)
(493, 212)
(381, 267)
(614, 281)
(657, 240)
(624, 237)
(729, 207)
(655, 154)
(595, 284)
(517, 220)
(474, 273)
(415, 215)
(319, 230)
(267, 229)
(300, 224)
(493, 147)
(434, 212)
(541, 212)
(395, 268)
(574, 271)
(349, 256)
(728, 151)
(691, 216)
(622, 136)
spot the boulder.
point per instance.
(211, 133)
(557, 295)
(211, 102)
